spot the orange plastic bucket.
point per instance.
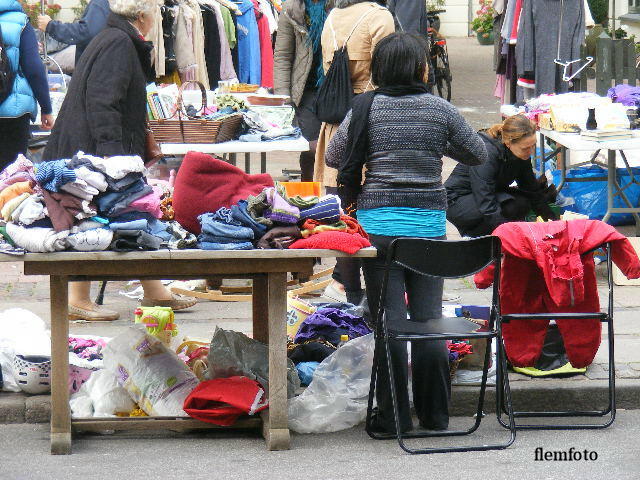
(304, 189)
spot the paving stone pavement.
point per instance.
(473, 84)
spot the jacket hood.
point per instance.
(142, 47)
(296, 11)
(495, 147)
(10, 6)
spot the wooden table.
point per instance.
(267, 268)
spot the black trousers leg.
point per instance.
(14, 138)
(430, 360)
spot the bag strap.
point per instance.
(357, 24)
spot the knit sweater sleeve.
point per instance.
(464, 145)
(338, 144)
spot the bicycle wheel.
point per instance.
(443, 75)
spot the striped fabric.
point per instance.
(326, 211)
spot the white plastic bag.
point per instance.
(101, 396)
(156, 379)
(338, 394)
(21, 333)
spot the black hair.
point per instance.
(399, 59)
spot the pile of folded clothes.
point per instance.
(271, 219)
(86, 203)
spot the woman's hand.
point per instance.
(47, 121)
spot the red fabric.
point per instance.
(545, 269)
(343, 241)
(204, 184)
(516, 22)
(266, 48)
(223, 400)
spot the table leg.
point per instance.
(60, 412)
(611, 178)
(263, 162)
(275, 427)
(233, 159)
(260, 306)
(247, 162)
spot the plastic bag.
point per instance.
(338, 395)
(590, 197)
(101, 396)
(21, 333)
(156, 379)
(234, 354)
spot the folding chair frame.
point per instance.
(610, 409)
(382, 342)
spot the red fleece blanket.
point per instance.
(204, 184)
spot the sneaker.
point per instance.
(178, 302)
(334, 293)
(96, 314)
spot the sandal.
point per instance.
(178, 302)
(97, 314)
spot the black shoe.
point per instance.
(381, 427)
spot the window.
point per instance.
(634, 6)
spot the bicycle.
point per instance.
(439, 57)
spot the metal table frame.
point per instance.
(572, 141)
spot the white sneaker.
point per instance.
(335, 294)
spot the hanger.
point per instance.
(568, 64)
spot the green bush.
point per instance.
(599, 10)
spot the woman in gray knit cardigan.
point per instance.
(400, 133)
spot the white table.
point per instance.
(234, 147)
(576, 142)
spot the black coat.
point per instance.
(104, 112)
(486, 181)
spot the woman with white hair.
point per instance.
(104, 114)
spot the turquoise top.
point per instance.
(403, 222)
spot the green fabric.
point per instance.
(256, 205)
(564, 370)
(229, 27)
(303, 202)
(3, 232)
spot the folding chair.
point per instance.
(441, 259)
(610, 409)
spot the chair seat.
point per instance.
(438, 328)
(556, 316)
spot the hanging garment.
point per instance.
(212, 47)
(546, 268)
(249, 68)
(266, 47)
(156, 36)
(229, 27)
(227, 72)
(537, 46)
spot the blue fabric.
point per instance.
(209, 238)
(133, 225)
(111, 204)
(225, 246)
(248, 45)
(242, 215)
(21, 100)
(317, 14)
(53, 175)
(230, 228)
(306, 371)
(81, 32)
(403, 222)
(33, 68)
(325, 211)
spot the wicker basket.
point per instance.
(195, 130)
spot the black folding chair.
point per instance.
(443, 259)
(610, 409)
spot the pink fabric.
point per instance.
(500, 84)
(149, 203)
(21, 170)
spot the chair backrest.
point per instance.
(444, 258)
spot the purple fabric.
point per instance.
(625, 94)
(330, 323)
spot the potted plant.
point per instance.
(33, 9)
(483, 23)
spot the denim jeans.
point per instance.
(429, 359)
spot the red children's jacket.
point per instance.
(546, 268)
